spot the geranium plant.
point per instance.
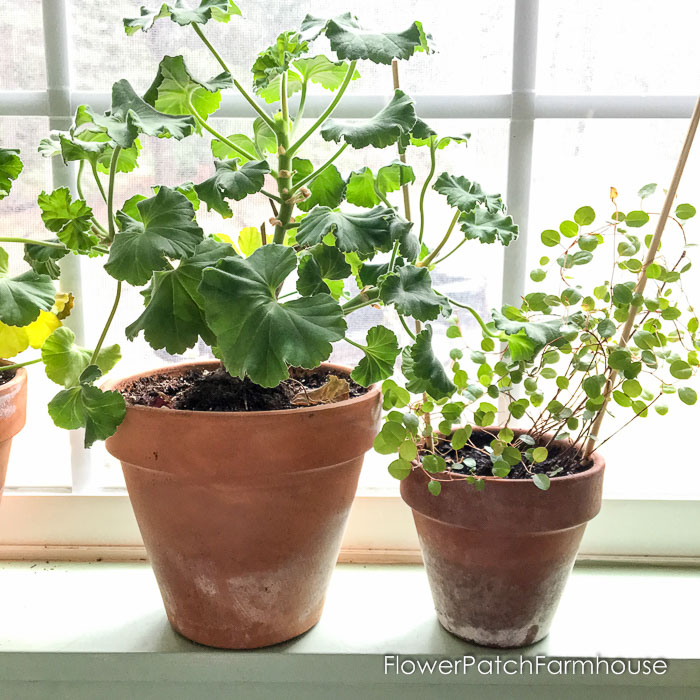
(623, 341)
(265, 301)
(30, 308)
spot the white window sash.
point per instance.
(78, 519)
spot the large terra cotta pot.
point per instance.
(13, 413)
(243, 514)
(498, 559)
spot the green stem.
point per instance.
(99, 182)
(475, 314)
(300, 111)
(284, 179)
(312, 176)
(421, 201)
(455, 249)
(219, 136)
(341, 91)
(426, 261)
(383, 198)
(78, 180)
(357, 345)
(110, 318)
(4, 368)
(110, 192)
(284, 97)
(29, 241)
(365, 298)
(271, 196)
(394, 253)
(406, 328)
(239, 87)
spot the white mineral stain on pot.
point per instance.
(7, 406)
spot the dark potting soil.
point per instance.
(561, 461)
(216, 390)
(6, 375)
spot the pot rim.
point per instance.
(598, 464)
(114, 384)
(19, 378)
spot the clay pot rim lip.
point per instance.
(19, 378)
(111, 384)
(598, 466)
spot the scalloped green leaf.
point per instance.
(411, 292)
(465, 194)
(383, 129)
(222, 151)
(131, 115)
(542, 332)
(180, 13)
(10, 168)
(70, 220)
(175, 91)
(381, 352)
(327, 190)
(44, 260)
(64, 361)
(23, 297)
(361, 188)
(423, 369)
(277, 59)
(487, 227)
(257, 335)
(231, 182)
(317, 266)
(174, 315)
(351, 41)
(392, 177)
(85, 406)
(362, 233)
(167, 229)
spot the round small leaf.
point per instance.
(541, 481)
(539, 454)
(584, 216)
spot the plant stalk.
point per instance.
(642, 280)
(29, 241)
(110, 318)
(428, 259)
(110, 192)
(312, 176)
(421, 200)
(284, 161)
(402, 153)
(327, 112)
(18, 365)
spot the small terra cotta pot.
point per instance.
(13, 413)
(498, 560)
(242, 513)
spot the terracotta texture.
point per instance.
(242, 514)
(13, 413)
(498, 560)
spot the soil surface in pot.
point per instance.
(216, 390)
(560, 461)
(7, 375)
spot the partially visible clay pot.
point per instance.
(498, 560)
(13, 413)
(242, 514)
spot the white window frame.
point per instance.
(77, 523)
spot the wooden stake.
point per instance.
(642, 280)
(402, 155)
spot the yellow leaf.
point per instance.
(63, 305)
(42, 328)
(16, 339)
(13, 340)
(249, 240)
(613, 193)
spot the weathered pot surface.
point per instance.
(242, 514)
(498, 559)
(13, 413)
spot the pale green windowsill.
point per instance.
(76, 630)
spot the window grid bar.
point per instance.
(520, 146)
(36, 103)
(58, 98)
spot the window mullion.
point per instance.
(520, 144)
(57, 56)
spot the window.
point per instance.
(562, 104)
